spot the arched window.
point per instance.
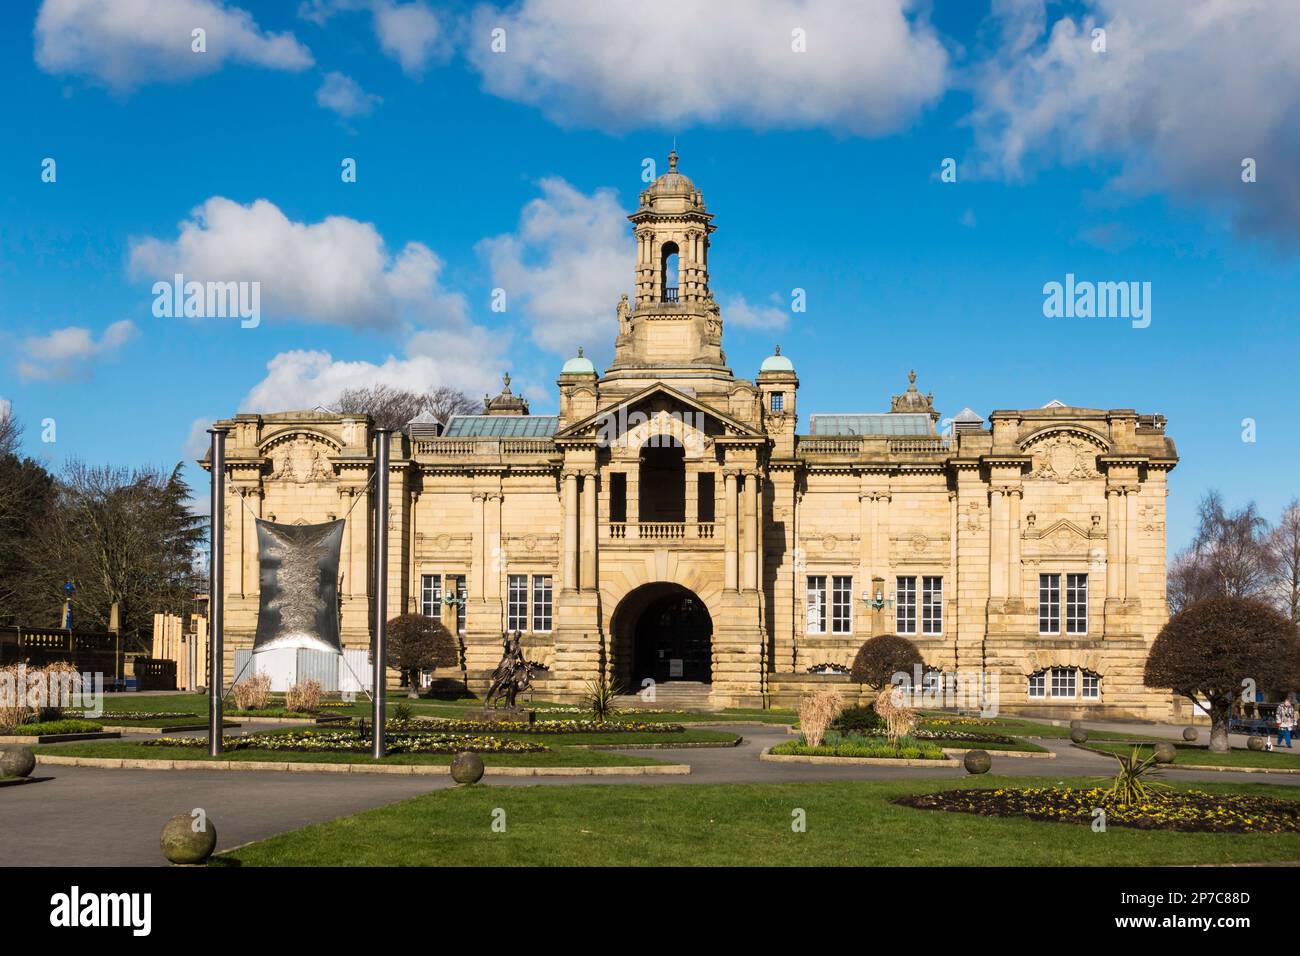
(668, 270)
(1064, 683)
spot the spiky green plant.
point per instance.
(1134, 784)
(600, 696)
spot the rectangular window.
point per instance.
(1049, 604)
(932, 604)
(778, 401)
(541, 603)
(1063, 682)
(462, 599)
(617, 497)
(1076, 604)
(1038, 685)
(816, 604)
(517, 602)
(842, 604)
(905, 606)
(708, 497)
(431, 596)
(1091, 685)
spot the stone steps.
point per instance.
(672, 695)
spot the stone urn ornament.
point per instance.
(1190, 734)
(188, 839)
(16, 761)
(467, 768)
(977, 761)
(1165, 752)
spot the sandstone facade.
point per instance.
(671, 523)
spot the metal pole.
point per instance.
(216, 588)
(381, 588)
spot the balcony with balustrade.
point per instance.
(660, 533)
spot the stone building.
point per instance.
(671, 523)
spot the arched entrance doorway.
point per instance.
(662, 632)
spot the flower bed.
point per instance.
(1191, 811)
(141, 715)
(334, 741)
(958, 721)
(453, 725)
(51, 727)
(860, 747)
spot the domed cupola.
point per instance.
(913, 401)
(507, 403)
(776, 363)
(578, 365)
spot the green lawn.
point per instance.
(556, 757)
(569, 750)
(848, 823)
(1194, 755)
(69, 726)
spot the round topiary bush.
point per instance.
(467, 767)
(883, 656)
(1255, 743)
(977, 761)
(187, 841)
(16, 761)
(1165, 752)
(1079, 736)
(1190, 734)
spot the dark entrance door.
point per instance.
(674, 640)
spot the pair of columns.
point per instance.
(740, 568)
(1006, 579)
(579, 496)
(1122, 542)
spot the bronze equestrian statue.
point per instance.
(513, 676)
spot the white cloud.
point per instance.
(198, 442)
(1185, 90)
(739, 313)
(337, 271)
(344, 95)
(565, 266)
(127, 43)
(68, 352)
(306, 379)
(869, 66)
(409, 33)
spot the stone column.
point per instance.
(493, 555)
(692, 497)
(1114, 543)
(1015, 577)
(1132, 553)
(633, 485)
(588, 576)
(751, 531)
(478, 567)
(997, 544)
(570, 530)
(732, 543)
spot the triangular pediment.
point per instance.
(653, 400)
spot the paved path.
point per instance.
(84, 816)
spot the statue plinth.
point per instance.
(497, 715)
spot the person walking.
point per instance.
(1285, 721)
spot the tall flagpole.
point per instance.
(381, 588)
(216, 589)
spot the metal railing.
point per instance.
(670, 293)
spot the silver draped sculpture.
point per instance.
(299, 573)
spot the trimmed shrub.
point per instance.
(858, 720)
(880, 658)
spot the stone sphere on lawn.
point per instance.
(1165, 752)
(977, 761)
(182, 844)
(1255, 743)
(1079, 735)
(467, 767)
(1190, 734)
(16, 761)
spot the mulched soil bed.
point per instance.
(1190, 811)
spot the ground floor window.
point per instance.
(816, 609)
(932, 604)
(1065, 683)
(905, 605)
(517, 602)
(431, 596)
(842, 604)
(542, 591)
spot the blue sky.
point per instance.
(479, 170)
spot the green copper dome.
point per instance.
(776, 363)
(578, 365)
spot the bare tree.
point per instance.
(1284, 543)
(1229, 557)
(124, 537)
(393, 407)
(11, 430)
